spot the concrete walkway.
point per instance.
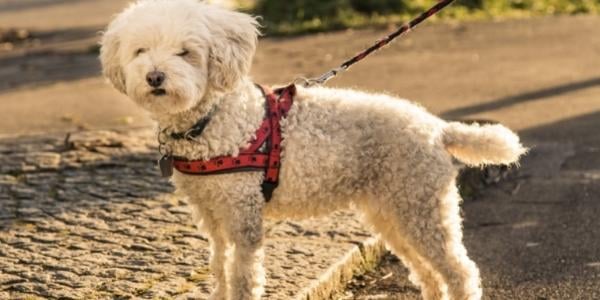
(524, 74)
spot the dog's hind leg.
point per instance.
(421, 274)
(443, 246)
(428, 229)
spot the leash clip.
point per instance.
(321, 79)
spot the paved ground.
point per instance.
(88, 217)
(535, 235)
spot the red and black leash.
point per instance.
(380, 44)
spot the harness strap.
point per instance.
(251, 158)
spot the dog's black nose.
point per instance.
(155, 78)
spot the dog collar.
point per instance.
(194, 131)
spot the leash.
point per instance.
(380, 44)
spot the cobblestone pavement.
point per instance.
(88, 217)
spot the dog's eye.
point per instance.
(183, 52)
(139, 51)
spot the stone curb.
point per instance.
(358, 260)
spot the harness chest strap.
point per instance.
(251, 158)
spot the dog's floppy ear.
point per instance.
(233, 43)
(109, 57)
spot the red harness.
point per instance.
(252, 158)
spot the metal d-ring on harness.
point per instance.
(278, 104)
(380, 44)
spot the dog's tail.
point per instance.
(482, 144)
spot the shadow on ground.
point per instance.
(38, 69)
(47, 57)
(544, 241)
(542, 94)
(582, 130)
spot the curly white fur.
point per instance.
(387, 158)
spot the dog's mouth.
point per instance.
(158, 92)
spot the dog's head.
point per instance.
(168, 54)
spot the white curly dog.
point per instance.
(386, 158)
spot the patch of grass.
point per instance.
(308, 16)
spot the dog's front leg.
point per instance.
(218, 255)
(246, 233)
